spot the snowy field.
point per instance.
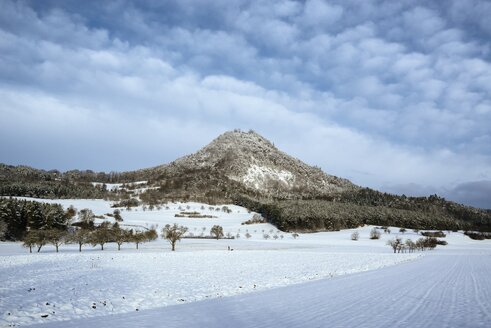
(49, 287)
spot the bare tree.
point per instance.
(86, 218)
(410, 245)
(29, 241)
(216, 231)
(101, 236)
(81, 237)
(396, 244)
(138, 237)
(173, 233)
(38, 238)
(120, 236)
(56, 237)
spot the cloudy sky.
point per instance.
(394, 95)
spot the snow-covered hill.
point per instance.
(253, 163)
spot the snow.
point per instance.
(445, 288)
(117, 186)
(122, 288)
(257, 176)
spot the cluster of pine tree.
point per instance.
(17, 216)
(53, 189)
(315, 215)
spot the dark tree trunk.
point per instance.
(39, 248)
(56, 248)
(173, 246)
(136, 245)
(119, 247)
(102, 247)
(79, 247)
(30, 249)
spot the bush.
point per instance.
(425, 243)
(478, 235)
(435, 234)
(355, 235)
(256, 218)
(374, 234)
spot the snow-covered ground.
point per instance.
(49, 287)
(445, 288)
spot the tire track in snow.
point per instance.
(424, 299)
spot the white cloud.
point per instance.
(396, 90)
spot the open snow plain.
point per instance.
(153, 286)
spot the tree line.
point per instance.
(100, 235)
(319, 215)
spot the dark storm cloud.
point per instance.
(400, 88)
(475, 193)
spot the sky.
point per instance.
(393, 95)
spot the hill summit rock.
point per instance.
(249, 161)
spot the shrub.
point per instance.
(256, 218)
(355, 235)
(436, 234)
(374, 234)
(477, 235)
(425, 243)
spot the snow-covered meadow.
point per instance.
(50, 286)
